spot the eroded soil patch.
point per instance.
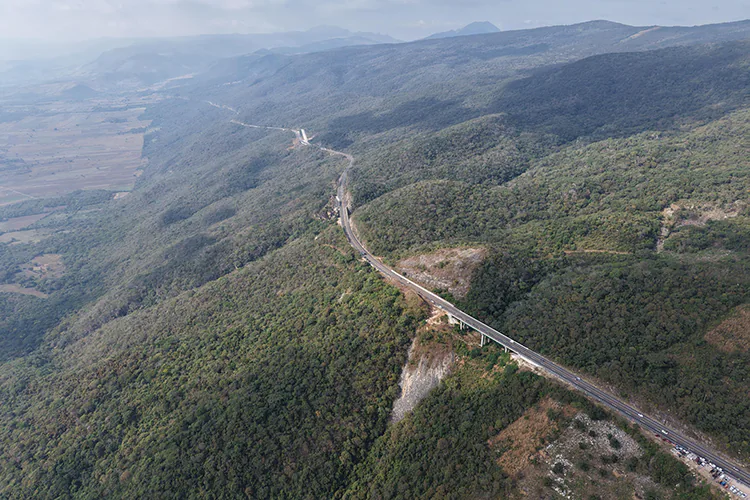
(431, 358)
(678, 215)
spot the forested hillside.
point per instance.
(591, 237)
(269, 382)
(357, 95)
(454, 442)
(212, 334)
(215, 197)
(609, 195)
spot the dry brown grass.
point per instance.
(733, 334)
(522, 438)
(435, 339)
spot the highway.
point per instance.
(732, 469)
(729, 467)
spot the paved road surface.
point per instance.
(730, 467)
(646, 422)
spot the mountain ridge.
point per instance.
(214, 331)
(475, 28)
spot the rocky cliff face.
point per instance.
(422, 373)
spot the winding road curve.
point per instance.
(730, 467)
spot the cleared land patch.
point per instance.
(448, 269)
(678, 215)
(22, 291)
(699, 215)
(19, 237)
(44, 266)
(556, 447)
(17, 223)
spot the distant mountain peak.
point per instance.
(475, 28)
(480, 27)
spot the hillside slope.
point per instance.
(212, 331)
(269, 382)
(591, 237)
(356, 95)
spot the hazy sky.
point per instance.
(406, 19)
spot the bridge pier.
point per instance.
(484, 340)
(455, 321)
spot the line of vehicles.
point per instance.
(715, 471)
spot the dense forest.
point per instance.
(608, 195)
(269, 382)
(212, 334)
(592, 236)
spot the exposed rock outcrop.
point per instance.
(422, 373)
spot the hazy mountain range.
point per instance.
(205, 329)
(143, 63)
(147, 61)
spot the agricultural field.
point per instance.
(56, 149)
(18, 223)
(13, 288)
(20, 237)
